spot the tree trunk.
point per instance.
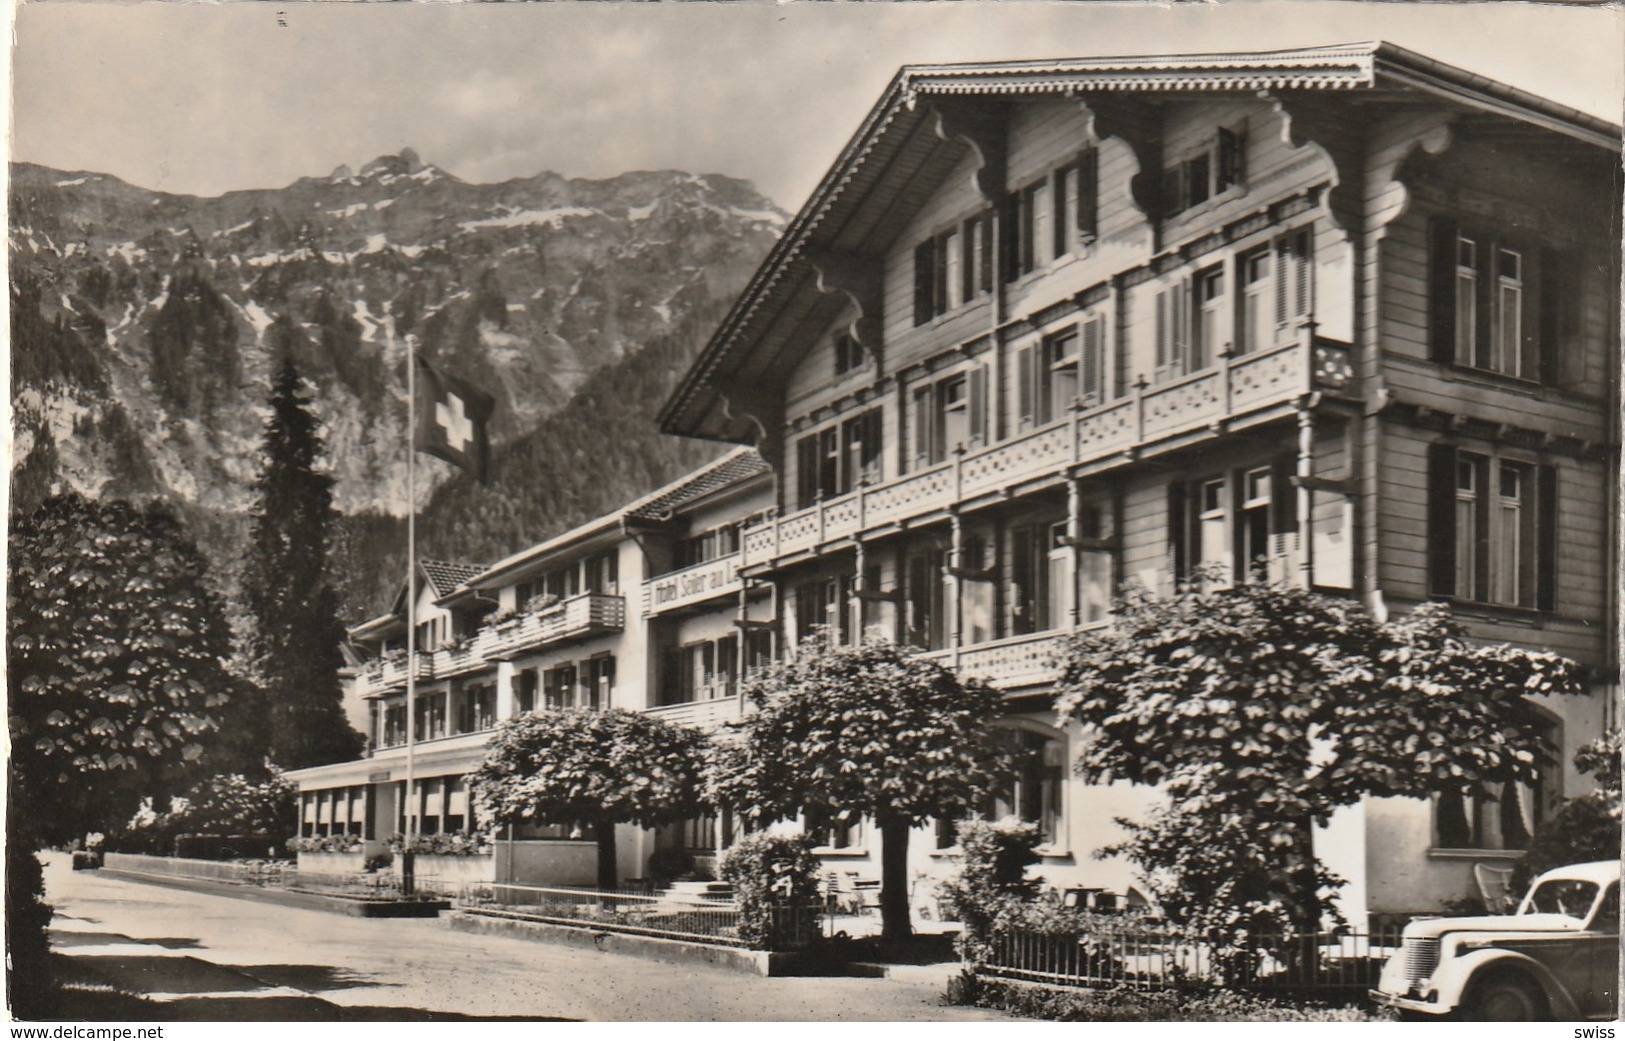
(895, 921)
(1304, 955)
(608, 878)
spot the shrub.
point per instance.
(86, 860)
(775, 882)
(445, 844)
(667, 864)
(992, 879)
(378, 861)
(325, 844)
(223, 847)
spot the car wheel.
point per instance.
(1505, 998)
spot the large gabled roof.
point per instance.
(733, 468)
(860, 200)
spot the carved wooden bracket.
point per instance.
(860, 280)
(1139, 126)
(983, 128)
(1430, 135)
(763, 411)
(1308, 121)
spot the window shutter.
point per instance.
(1009, 240)
(1283, 497)
(1164, 333)
(1024, 384)
(1442, 519)
(806, 471)
(1546, 539)
(967, 262)
(1555, 303)
(1182, 323)
(924, 280)
(1487, 289)
(923, 408)
(1442, 291)
(1060, 230)
(986, 221)
(1302, 270)
(1230, 158)
(1178, 531)
(978, 404)
(1088, 205)
(1089, 365)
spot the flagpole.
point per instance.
(407, 874)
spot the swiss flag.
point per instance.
(453, 415)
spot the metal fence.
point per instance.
(256, 873)
(668, 916)
(1337, 966)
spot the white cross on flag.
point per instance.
(452, 418)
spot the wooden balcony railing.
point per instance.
(589, 614)
(704, 715)
(1230, 390)
(1015, 661)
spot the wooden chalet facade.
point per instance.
(1347, 314)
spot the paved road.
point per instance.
(175, 945)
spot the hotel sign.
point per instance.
(692, 585)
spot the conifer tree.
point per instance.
(296, 635)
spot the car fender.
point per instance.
(1459, 975)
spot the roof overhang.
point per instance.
(898, 144)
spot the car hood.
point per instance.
(1500, 923)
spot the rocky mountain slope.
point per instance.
(145, 326)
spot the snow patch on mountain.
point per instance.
(553, 218)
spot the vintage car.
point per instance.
(1556, 958)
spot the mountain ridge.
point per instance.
(145, 325)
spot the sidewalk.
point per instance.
(205, 957)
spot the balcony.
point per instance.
(1015, 661)
(1252, 387)
(703, 715)
(589, 614)
(692, 585)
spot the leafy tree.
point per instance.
(226, 804)
(1584, 828)
(116, 677)
(294, 645)
(775, 881)
(579, 766)
(1261, 709)
(875, 730)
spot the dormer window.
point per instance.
(849, 355)
(1218, 167)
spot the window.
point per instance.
(938, 275)
(601, 574)
(1208, 339)
(924, 602)
(1235, 523)
(1255, 323)
(1063, 368)
(1498, 303)
(835, 460)
(394, 725)
(1218, 167)
(600, 682)
(714, 544)
(758, 649)
(525, 695)
(1492, 529)
(431, 717)
(1076, 203)
(559, 686)
(849, 355)
(1507, 818)
(1095, 566)
(477, 710)
(1174, 343)
(1040, 587)
(824, 602)
(830, 830)
(1033, 791)
(949, 413)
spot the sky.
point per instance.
(205, 98)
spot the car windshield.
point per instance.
(1565, 896)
